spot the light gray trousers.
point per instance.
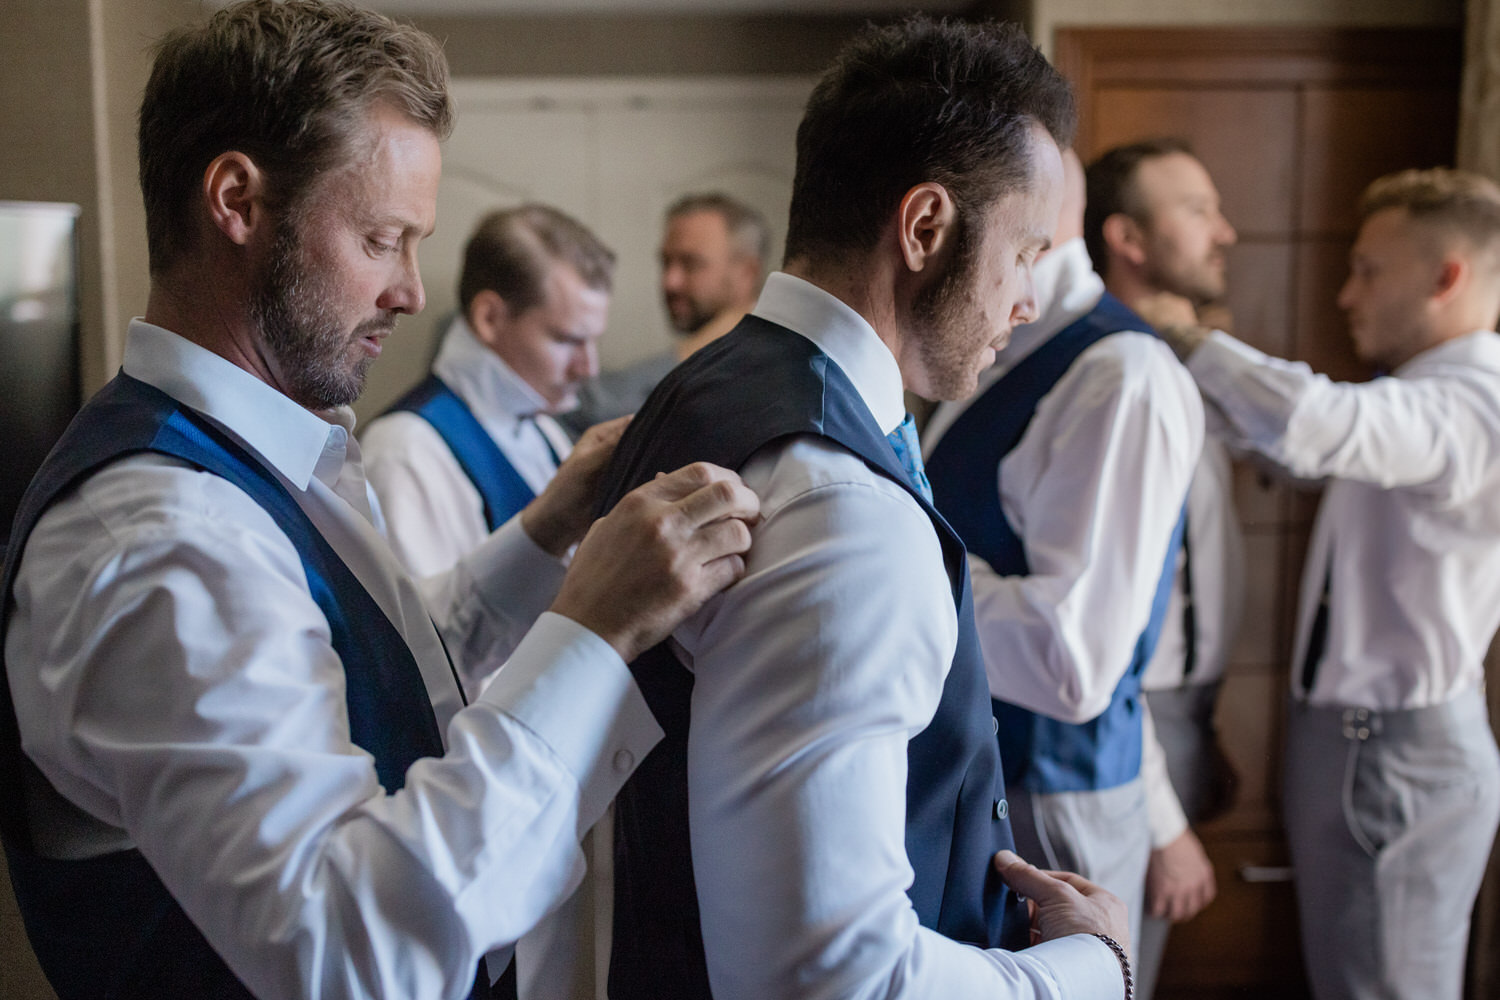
(1100, 835)
(1390, 817)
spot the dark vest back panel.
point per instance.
(760, 384)
(500, 486)
(106, 926)
(1042, 754)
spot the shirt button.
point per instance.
(624, 760)
(995, 725)
(1002, 809)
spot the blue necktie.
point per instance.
(909, 450)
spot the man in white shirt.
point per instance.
(820, 817)
(240, 761)
(1152, 224)
(1392, 776)
(1066, 476)
(475, 441)
(714, 253)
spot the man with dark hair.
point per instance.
(714, 255)
(821, 816)
(475, 442)
(1154, 224)
(238, 761)
(1066, 477)
(1392, 793)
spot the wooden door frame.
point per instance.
(1094, 57)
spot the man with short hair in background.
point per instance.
(714, 254)
(474, 442)
(1392, 784)
(1153, 224)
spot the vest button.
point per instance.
(624, 760)
(1002, 809)
(995, 725)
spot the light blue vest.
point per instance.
(1042, 754)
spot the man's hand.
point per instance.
(1179, 880)
(1063, 903)
(667, 547)
(1174, 318)
(557, 519)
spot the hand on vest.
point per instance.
(1179, 879)
(1062, 903)
(667, 547)
(557, 519)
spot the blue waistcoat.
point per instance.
(106, 926)
(1042, 754)
(759, 384)
(500, 486)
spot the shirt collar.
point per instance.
(485, 382)
(1480, 349)
(289, 438)
(844, 336)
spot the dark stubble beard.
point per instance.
(943, 313)
(292, 307)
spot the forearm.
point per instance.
(1388, 432)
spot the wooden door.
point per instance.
(1292, 124)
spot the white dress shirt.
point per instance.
(811, 675)
(174, 679)
(434, 513)
(1218, 572)
(1408, 523)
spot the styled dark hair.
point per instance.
(1456, 201)
(1111, 189)
(920, 100)
(287, 82)
(747, 227)
(512, 250)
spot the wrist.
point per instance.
(1124, 961)
(549, 533)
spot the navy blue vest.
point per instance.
(1042, 754)
(500, 486)
(106, 926)
(759, 384)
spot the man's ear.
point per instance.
(1124, 238)
(234, 190)
(1452, 275)
(926, 224)
(488, 314)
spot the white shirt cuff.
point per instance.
(1082, 965)
(571, 688)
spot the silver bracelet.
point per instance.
(1114, 946)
